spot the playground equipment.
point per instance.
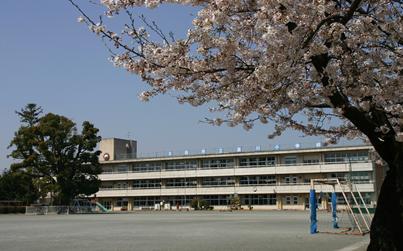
(101, 207)
(81, 206)
(357, 210)
(78, 206)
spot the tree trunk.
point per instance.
(387, 225)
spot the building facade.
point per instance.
(278, 179)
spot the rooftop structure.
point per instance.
(114, 149)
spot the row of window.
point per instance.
(332, 157)
(154, 183)
(355, 177)
(150, 201)
(192, 182)
(181, 165)
(217, 163)
(257, 180)
(260, 161)
(223, 200)
(258, 199)
(337, 157)
(218, 181)
(365, 196)
(213, 200)
(182, 182)
(146, 167)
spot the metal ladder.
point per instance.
(362, 222)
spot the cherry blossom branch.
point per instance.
(108, 35)
(333, 19)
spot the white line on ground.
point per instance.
(355, 246)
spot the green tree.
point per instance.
(51, 151)
(235, 202)
(198, 203)
(18, 186)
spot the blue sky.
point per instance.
(49, 59)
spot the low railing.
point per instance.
(233, 150)
(234, 167)
(232, 185)
(45, 210)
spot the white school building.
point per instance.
(263, 179)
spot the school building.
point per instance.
(263, 179)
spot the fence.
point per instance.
(45, 210)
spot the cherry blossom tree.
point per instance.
(271, 61)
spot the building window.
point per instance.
(258, 199)
(340, 176)
(146, 201)
(218, 181)
(290, 160)
(150, 201)
(291, 200)
(361, 177)
(120, 186)
(355, 177)
(257, 161)
(106, 186)
(181, 165)
(147, 167)
(145, 184)
(217, 200)
(122, 202)
(366, 196)
(257, 180)
(217, 163)
(107, 204)
(122, 168)
(107, 169)
(290, 180)
(181, 182)
(346, 157)
(311, 161)
(177, 200)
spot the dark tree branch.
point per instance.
(333, 19)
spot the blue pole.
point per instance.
(334, 212)
(312, 207)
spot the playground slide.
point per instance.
(102, 208)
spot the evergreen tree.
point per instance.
(18, 186)
(63, 162)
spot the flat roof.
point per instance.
(113, 138)
(240, 154)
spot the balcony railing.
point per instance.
(232, 149)
(224, 186)
(232, 167)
